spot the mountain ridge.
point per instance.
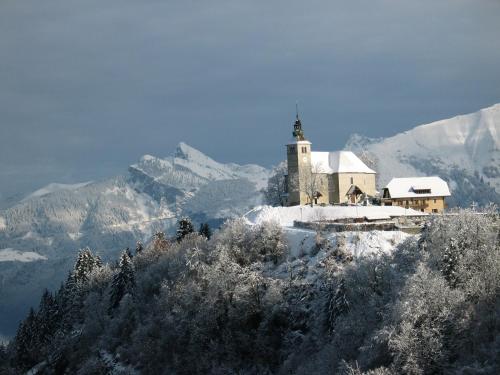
(464, 150)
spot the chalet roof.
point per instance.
(338, 162)
(407, 187)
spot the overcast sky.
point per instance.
(88, 86)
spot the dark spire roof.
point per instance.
(298, 133)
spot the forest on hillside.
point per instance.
(232, 303)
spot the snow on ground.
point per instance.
(302, 242)
(307, 263)
(11, 255)
(3, 224)
(359, 244)
(53, 187)
(285, 216)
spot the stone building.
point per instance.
(325, 177)
(426, 194)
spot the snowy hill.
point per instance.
(464, 150)
(40, 235)
(54, 187)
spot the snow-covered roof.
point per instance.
(407, 187)
(338, 162)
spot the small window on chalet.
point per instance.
(422, 191)
(292, 148)
(434, 201)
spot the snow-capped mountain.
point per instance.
(42, 232)
(463, 150)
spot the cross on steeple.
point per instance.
(298, 133)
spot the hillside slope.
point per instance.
(464, 150)
(51, 224)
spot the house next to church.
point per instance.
(324, 177)
(426, 194)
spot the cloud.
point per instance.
(92, 85)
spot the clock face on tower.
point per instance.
(304, 159)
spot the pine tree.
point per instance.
(71, 303)
(3, 357)
(85, 263)
(185, 228)
(205, 231)
(450, 260)
(123, 281)
(129, 253)
(47, 318)
(139, 247)
(25, 345)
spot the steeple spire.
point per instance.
(298, 133)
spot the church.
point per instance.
(324, 177)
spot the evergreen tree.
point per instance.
(451, 257)
(205, 231)
(123, 281)
(3, 357)
(85, 263)
(71, 303)
(139, 247)
(185, 228)
(25, 345)
(129, 253)
(47, 318)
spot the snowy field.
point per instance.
(11, 255)
(285, 216)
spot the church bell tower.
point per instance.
(299, 163)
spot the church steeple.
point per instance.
(298, 133)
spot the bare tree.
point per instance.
(312, 183)
(276, 186)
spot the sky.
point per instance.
(87, 87)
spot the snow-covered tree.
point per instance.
(25, 342)
(276, 186)
(205, 231)
(123, 281)
(160, 242)
(86, 262)
(185, 227)
(337, 304)
(139, 247)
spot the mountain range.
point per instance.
(463, 150)
(41, 233)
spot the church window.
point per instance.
(352, 180)
(304, 150)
